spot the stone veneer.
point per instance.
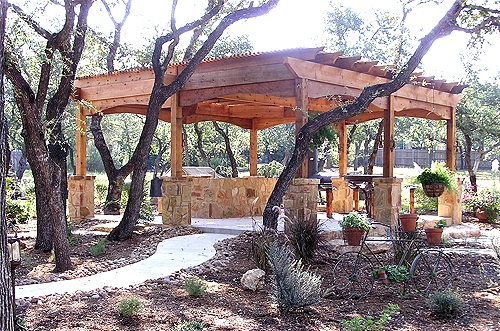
(450, 203)
(176, 201)
(301, 199)
(386, 199)
(342, 196)
(81, 197)
(229, 197)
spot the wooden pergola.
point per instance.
(261, 90)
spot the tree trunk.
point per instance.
(376, 145)
(115, 176)
(44, 240)
(468, 161)
(6, 293)
(229, 151)
(199, 144)
(360, 104)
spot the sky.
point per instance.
(301, 23)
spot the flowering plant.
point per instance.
(487, 201)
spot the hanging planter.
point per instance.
(434, 181)
(433, 190)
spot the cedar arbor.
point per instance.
(261, 90)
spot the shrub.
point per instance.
(294, 287)
(72, 238)
(261, 241)
(445, 303)
(17, 211)
(195, 287)
(189, 326)
(305, 236)
(98, 249)
(359, 323)
(486, 200)
(271, 170)
(129, 306)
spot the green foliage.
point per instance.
(271, 170)
(305, 236)
(440, 224)
(355, 220)
(195, 287)
(101, 190)
(423, 203)
(394, 273)
(487, 200)
(17, 211)
(326, 133)
(445, 303)
(189, 326)
(359, 323)
(224, 171)
(294, 287)
(438, 174)
(72, 238)
(98, 249)
(129, 306)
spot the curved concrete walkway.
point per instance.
(171, 255)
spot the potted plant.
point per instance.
(434, 180)
(354, 226)
(434, 234)
(391, 273)
(485, 204)
(408, 222)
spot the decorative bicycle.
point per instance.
(429, 268)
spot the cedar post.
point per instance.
(388, 169)
(301, 113)
(341, 131)
(81, 142)
(176, 137)
(450, 141)
(253, 151)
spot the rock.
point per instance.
(253, 280)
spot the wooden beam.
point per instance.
(279, 89)
(301, 117)
(253, 152)
(450, 141)
(176, 139)
(341, 129)
(81, 141)
(388, 157)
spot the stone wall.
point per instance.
(176, 201)
(81, 197)
(301, 199)
(229, 197)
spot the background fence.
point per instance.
(406, 157)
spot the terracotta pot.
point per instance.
(481, 215)
(382, 276)
(408, 222)
(433, 190)
(434, 236)
(353, 236)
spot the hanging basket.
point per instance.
(433, 190)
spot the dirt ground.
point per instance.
(225, 305)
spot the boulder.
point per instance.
(253, 279)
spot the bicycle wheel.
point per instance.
(352, 275)
(431, 270)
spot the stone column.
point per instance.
(301, 199)
(386, 199)
(342, 196)
(176, 201)
(81, 197)
(450, 203)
